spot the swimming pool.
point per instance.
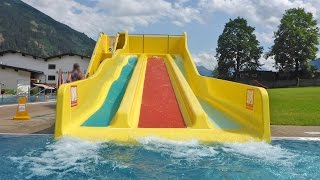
(4, 100)
(40, 157)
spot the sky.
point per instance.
(203, 20)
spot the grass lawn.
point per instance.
(295, 106)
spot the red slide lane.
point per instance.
(159, 107)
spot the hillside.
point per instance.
(25, 29)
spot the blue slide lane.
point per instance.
(104, 115)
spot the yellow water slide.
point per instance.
(148, 85)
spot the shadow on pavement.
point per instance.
(49, 130)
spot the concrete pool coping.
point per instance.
(296, 138)
(43, 118)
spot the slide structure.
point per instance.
(148, 85)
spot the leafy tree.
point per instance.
(295, 41)
(215, 72)
(238, 49)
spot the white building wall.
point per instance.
(9, 77)
(65, 63)
(28, 62)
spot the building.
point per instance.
(18, 67)
(257, 75)
(11, 77)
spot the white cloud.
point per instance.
(112, 16)
(263, 12)
(87, 21)
(268, 64)
(206, 59)
(265, 37)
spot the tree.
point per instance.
(295, 41)
(215, 72)
(238, 49)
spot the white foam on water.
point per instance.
(261, 150)
(189, 150)
(194, 150)
(65, 155)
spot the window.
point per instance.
(51, 66)
(254, 75)
(51, 78)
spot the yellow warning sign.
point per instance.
(22, 112)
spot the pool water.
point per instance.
(40, 157)
(14, 99)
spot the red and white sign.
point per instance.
(250, 99)
(22, 107)
(73, 96)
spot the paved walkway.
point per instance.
(42, 121)
(43, 117)
(295, 131)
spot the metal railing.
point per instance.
(157, 35)
(178, 35)
(11, 96)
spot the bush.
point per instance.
(8, 91)
(34, 91)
